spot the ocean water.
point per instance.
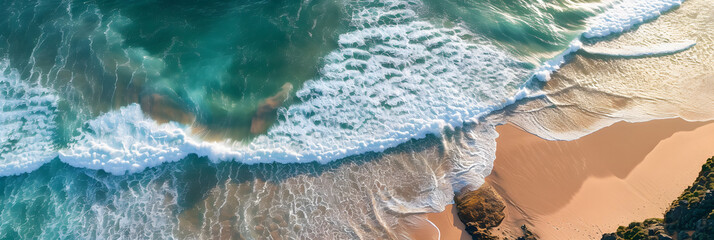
(267, 119)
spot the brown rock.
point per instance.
(480, 211)
(484, 207)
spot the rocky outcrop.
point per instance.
(480, 211)
(691, 216)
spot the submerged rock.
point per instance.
(266, 109)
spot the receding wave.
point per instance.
(619, 17)
(641, 51)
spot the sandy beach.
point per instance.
(580, 189)
(583, 188)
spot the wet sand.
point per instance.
(582, 188)
(450, 227)
(441, 225)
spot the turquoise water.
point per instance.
(254, 119)
(215, 60)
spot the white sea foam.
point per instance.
(625, 14)
(27, 123)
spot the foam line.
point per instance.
(127, 141)
(552, 65)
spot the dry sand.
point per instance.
(580, 189)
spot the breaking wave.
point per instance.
(392, 79)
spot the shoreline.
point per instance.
(589, 186)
